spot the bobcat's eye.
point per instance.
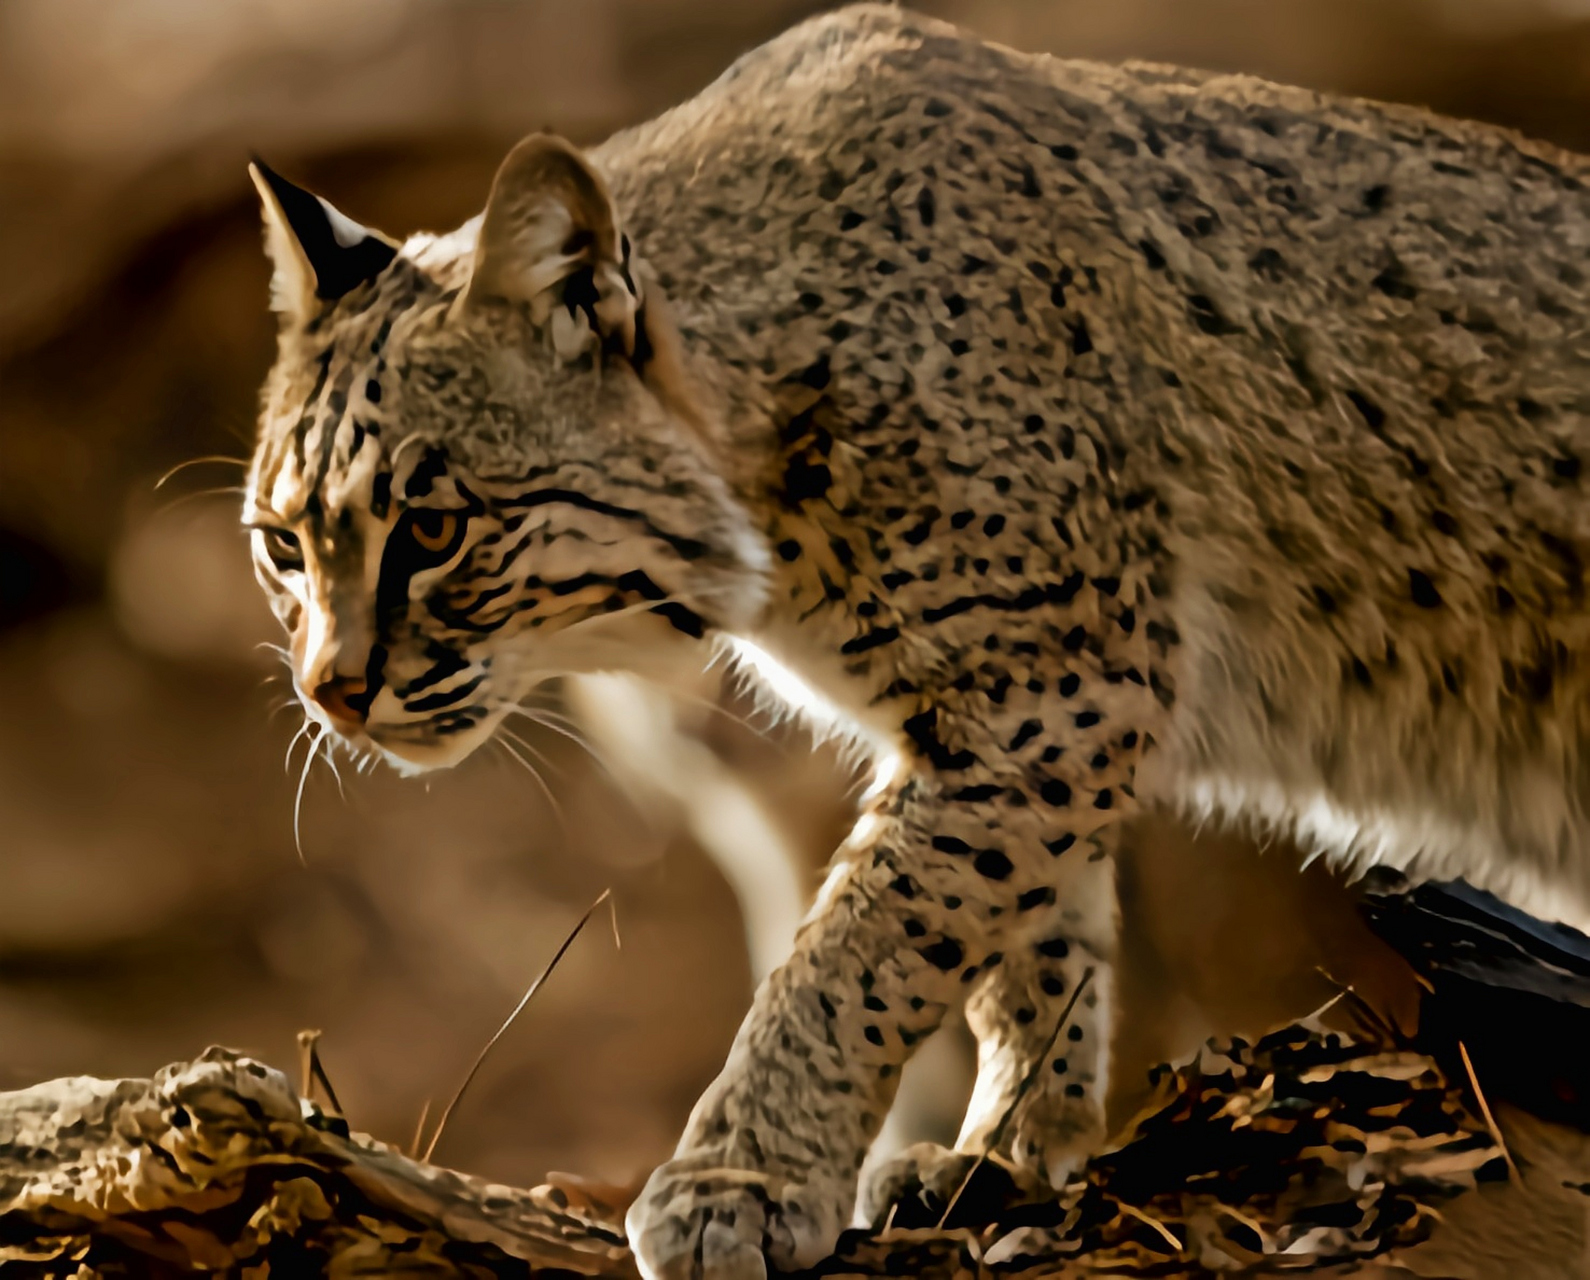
(282, 546)
(434, 535)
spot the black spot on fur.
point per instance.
(1028, 731)
(431, 467)
(1207, 316)
(1371, 412)
(1394, 284)
(1055, 792)
(682, 619)
(1423, 590)
(805, 481)
(945, 954)
(817, 375)
(381, 495)
(871, 640)
(992, 864)
(921, 730)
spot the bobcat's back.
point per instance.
(1307, 371)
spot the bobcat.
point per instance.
(1081, 436)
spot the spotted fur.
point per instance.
(1093, 435)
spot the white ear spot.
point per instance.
(344, 230)
(571, 334)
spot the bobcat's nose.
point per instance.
(341, 697)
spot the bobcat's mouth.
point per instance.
(415, 747)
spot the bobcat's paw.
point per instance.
(699, 1223)
(1056, 1148)
(917, 1186)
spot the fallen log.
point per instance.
(1304, 1153)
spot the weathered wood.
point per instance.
(1303, 1153)
(217, 1164)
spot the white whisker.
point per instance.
(558, 723)
(287, 760)
(541, 756)
(761, 731)
(298, 800)
(326, 739)
(571, 734)
(529, 768)
(197, 462)
(194, 497)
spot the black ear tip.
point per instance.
(341, 254)
(284, 190)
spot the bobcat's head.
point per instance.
(476, 467)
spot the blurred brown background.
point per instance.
(151, 900)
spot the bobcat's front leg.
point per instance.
(768, 1163)
(1042, 1022)
(1043, 1026)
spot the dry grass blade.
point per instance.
(1165, 1233)
(998, 1135)
(519, 1008)
(306, 1077)
(419, 1130)
(311, 1072)
(1485, 1110)
(1369, 1018)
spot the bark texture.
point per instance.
(1302, 1153)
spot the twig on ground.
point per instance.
(312, 1072)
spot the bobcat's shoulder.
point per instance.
(1309, 365)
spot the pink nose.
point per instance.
(333, 696)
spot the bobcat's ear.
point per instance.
(550, 239)
(318, 254)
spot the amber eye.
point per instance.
(283, 547)
(425, 539)
(434, 530)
